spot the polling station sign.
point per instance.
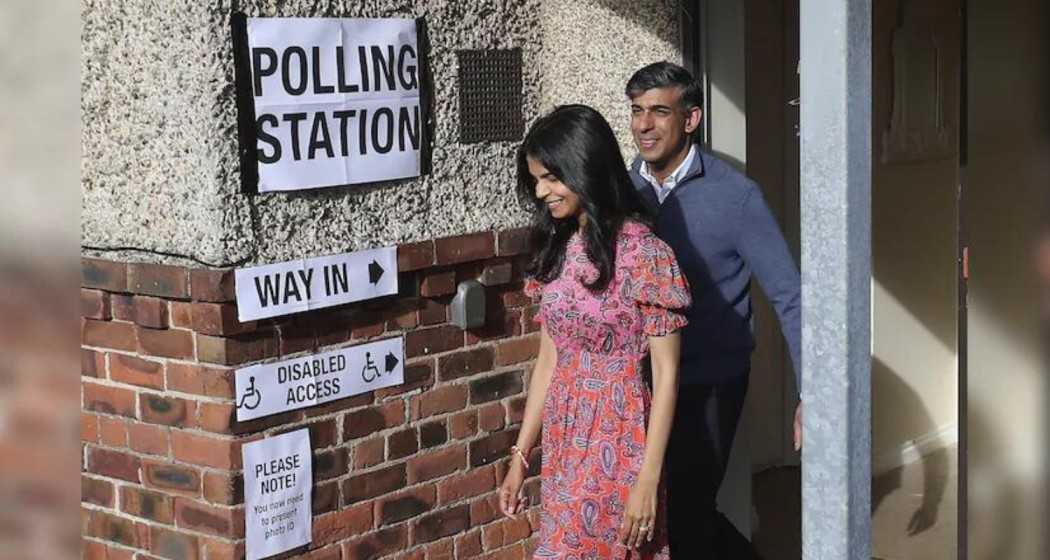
(277, 483)
(301, 285)
(332, 101)
(265, 389)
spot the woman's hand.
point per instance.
(639, 517)
(511, 498)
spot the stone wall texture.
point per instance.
(160, 171)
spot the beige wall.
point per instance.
(914, 244)
(1008, 189)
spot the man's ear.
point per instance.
(692, 119)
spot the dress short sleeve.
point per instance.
(534, 290)
(659, 287)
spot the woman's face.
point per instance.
(560, 200)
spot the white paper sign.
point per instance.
(265, 389)
(337, 100)
(278, 479)
(290, 287)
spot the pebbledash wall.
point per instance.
(404, 472)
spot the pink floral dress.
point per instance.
(597, 406)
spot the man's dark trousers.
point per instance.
(706, 417)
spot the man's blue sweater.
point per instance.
(721, 230)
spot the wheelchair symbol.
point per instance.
(252, 396)
(370, 372)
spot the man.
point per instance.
(720, 228)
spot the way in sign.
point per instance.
(281, 288)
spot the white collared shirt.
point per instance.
(672, 180)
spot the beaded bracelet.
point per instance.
(520, 453)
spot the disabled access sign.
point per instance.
(265, 389)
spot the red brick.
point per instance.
(213, 520)
(94, 304)
(180, 314)
(402, 444)
(333, 552)
(102, 274)
(295, 337)
(92, 363)
(340, 525)
(118, 530)
(323, 433)
(212, 285)
(441, 550)
(517, 350)
(158, 280)
(492, 447)
(325, 497)
(369, 452)
(89, 430)
(464, 363)
(492, 536)
(464, 424)
(218, 418)
(433, 434)
(330, 464)
(108, 334)
(516, 409)
(170, 544)
(498, 324)
(215, 549)
(206, 451)
(436, 464)
(169, 343)
(109, 400)
(219, 319)
(404, 505)
(96, 491)
(516, 528)
(356, 401)
(147, 438)
(529, 319)
(112, 431)
(439, 400)
(497, 274)
(513, 241)
(403, 319)
(238, 349)
(440, 524)
(433, 312)
(370, 420)
(223, 488)
(465, 248)
(415, 256)
(435, 284)
(375, 545)
(113, 464)
(172, 478)
(374, 483)
(418, 374)
(495, 387)
(485, 510)
(491, 417)
(200, 380)
(151, 312)
(123, 306)
(146, 504)
(468, 545)
(514, 296)
(136, 371)
(466, 485)
(168, 411)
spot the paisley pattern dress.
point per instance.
(597, 406)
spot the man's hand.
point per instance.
(798, 427)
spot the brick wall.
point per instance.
(406, 472)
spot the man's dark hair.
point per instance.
(667, 74)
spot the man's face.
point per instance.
(661, 128)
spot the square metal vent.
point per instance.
(490, 95)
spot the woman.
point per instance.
(611, 294)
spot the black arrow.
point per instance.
(391, 362)
(375, 272)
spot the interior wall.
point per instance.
(1007, 195)
(914, 228)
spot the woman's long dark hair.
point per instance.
(576, 145)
